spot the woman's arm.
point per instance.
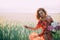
(37, 27)
(30, 28)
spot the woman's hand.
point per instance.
(26, 26)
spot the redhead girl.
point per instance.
(44, 21)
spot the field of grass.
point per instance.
(18, 32)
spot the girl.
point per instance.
(44, 21)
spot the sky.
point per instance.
(29, 6)
(17, 9)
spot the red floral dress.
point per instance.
(45, 35)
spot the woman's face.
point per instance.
(42, 14)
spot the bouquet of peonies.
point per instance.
(54, 27)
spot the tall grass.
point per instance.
(18, 32)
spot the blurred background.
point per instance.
(14, 14)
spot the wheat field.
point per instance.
(11, 29)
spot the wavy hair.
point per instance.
(40, 9)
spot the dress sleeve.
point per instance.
(49, 18)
